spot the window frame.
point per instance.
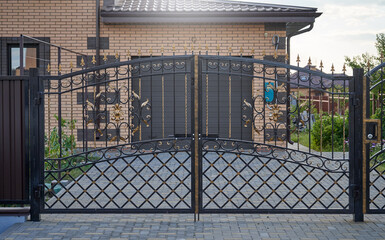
(43, 53)
(9, 55)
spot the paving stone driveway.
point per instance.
(211, 226)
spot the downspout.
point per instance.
(295, 34)
(288, 90)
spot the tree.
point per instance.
(362, 60)
(380, 44)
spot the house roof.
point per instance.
(301, 80)
(203, 11)
(199, 6)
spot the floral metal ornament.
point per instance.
(117, 114)
(137, 112)
(276, 113)
(247, 106)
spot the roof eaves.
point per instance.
(119, 17)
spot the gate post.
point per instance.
(356, 88)
(36, 150)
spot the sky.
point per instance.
(346, 28)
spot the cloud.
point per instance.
(354, 15)
(346, 28)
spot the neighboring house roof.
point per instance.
(204, 11)
(302, 80)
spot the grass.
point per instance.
(380, 169)
(304, 141)
(70, 174)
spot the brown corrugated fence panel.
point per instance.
(13, 173)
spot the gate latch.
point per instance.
(38, 98)
(372, 130)
(355, 190)
(38, 190)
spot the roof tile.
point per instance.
(198, 6)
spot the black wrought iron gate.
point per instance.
(195, 134)
(373, 133)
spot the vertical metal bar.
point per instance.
(95, 114)
(288, 107)
(332, 90)
(298, 107)
(97, 78)
(72, 115)
(381, 99)
(207, 101)
(344, 119)
(162, 96)
(129, 102)
(185, 103)
(365, 151)
(36, 144)
(275, 98)
(356, 148)
(218, 99)
(309, 114)
(84, 119)
(59, 113)
(117, 101)
(152, 101)
(196, 138)
(321, 114)
(21, 55)
(106, 89)
(241, 94)
(140, 99)
(230, 117)
(264, 102)
(174, 92)
(192, 125)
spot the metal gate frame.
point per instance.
(355, 154)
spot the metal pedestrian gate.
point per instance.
(196, 134)
(373, 150)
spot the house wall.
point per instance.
(69, 23)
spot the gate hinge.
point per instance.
(38, 191)
(38, 99)
(355, 190)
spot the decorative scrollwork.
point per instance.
(137, 113)
(117, 115)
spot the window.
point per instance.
(30, 59)
(36, 55)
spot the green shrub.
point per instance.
(332, 131)
(52, 146)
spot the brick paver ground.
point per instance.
(211, 226)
